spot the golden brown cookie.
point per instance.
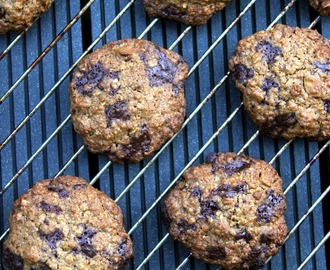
(284, 75)
(189, 12)
(321, 6)
(65, 223)
(19, 14)
(228, 211)
(127, 99)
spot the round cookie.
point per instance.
(321, 6)
(189, 12)
(284, 75)
(19, 14)
(228, 211)
(65, 223)
(127, 99)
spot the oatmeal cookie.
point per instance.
(19, 14)
(127, 99)
(228, 211)
(284, 76)
(65, 223)
(189, 12)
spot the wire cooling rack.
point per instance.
(37, 140)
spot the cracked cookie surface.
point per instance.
(189, 12)
(228, 211)
(19, 14)
(65, 223)
(127, 99)
(284, 76)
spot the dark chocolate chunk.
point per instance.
(12, 261)
(325, 67)
(209, 207)
(2, 13)
(92, 78)
(166, 218)
(236, 165)
(270, 52)
(216, 253)
(229, 191)
(52, 238)
(85, 242)
(117, 111)
(279, 124)
(264, 239)
(326, 104)
(211, 157)
(184, 226)
(273, 206)
(163, 72)
(122, 247)
(138, 144)
(244, 234)
(51, 208)
(79, 186)
(242, 73)
(254, 257)
(196, 191)
(268, 84)
(58, 188)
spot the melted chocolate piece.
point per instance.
(268, 84)
(244, 235)
(12, 261)
(2, 13)
(58, 188)
(324, 67)
(172, 10)
(273, 206)
(270, 52)
(122, 247)
(138, 144)
(264, 239)
(50, 208)
(209, 207)
(254, 255)
(229, 191)
(196, 191)
(211, 157)
(85, 242)
(92, 78)
(79, 186)
(216, 253)
(242, 73)
(52, 238)
(117, 111)
(165, 217)
(326, 104)
(279, 124)
(236, 165)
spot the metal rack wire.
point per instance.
(156, 243)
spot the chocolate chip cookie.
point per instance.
(228, 211)
(189, 12)
(127, 99)
(284, 75)
(65, 223)
(19, 14)
(321, 6)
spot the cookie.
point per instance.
(188, 12)
(19, 14)
(65, 223)
(284, 76)
(321, 6)
(228, 211)
(127, 99)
